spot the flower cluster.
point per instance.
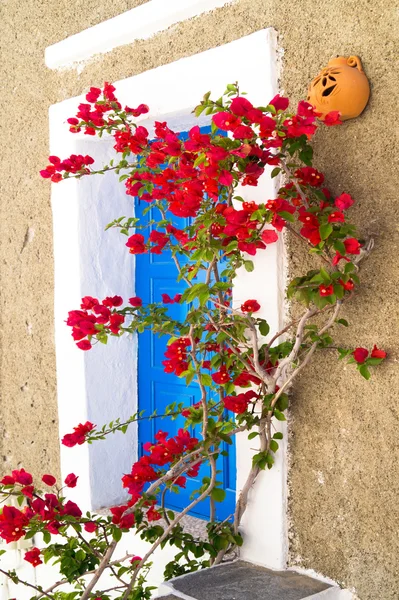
(50, 511)
(78, 437)
(93, 317)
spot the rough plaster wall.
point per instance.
(344, 452)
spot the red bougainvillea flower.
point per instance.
(338, 257)
(309, 176)
(186, 412)
(360, 355)
(72, 509)
(344, 201)
(135, 559)
(78, 436)
(376, 353)
(49, 480)
(176, 354)
(336, 217)
(332, 118)
(153, 515)
(88, 302)
(136, 301)
(33, 557)
(348, 286)
(84, 345)
(22, 477)
(226, 121)
(221, 377)
(113, 301)
(12, 524)
(279, 102)
(142, 109)
(71, 480)
(7, 480)
(352, 246)
(250, 306)
(239, 404)
(90, 527)
(136, 244)
(269, 236)
(93, 95)
(326, 290)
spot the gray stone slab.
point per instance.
(170, 597)
(243, 581)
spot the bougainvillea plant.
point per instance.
(243, 370)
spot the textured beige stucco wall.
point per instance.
(344, 477)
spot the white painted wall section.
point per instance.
(137, 24)
(100, 385)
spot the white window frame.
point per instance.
(87, 380)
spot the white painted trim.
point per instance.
(139, 23)
(85, 379)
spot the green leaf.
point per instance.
(343, 322)
(372, 362)
(325, 230)
(253, 435)
(283, 402)
(117, 534)
(287, 216)
(275, 172)
(218, 494)
(206, 379)
(264, 327)
(279, 415)
(340, 247)
(273, 445)
(249, 266)
(326, 276)
(46, 537)
(364, 372)
(278, 435)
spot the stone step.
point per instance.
(240, 580)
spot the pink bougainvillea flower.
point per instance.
(33, 557)
(360, 355)
(135, 559)
(326, 290)
(71, 480)
(344, 201)
(332, 118)
(376, 353)
(49, 480)
(250, 306)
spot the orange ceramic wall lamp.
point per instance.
(341, 86)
